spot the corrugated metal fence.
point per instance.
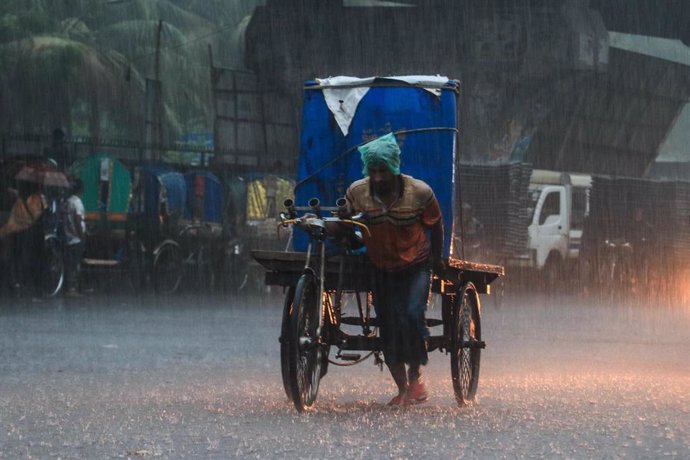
(500, 201)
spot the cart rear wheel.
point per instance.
(466, 336)
(285, 341)
(53, 270)
(167, 268)
(305, 352)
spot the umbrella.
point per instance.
(43, 174)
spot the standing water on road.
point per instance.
(200, 377)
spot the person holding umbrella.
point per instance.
(23, 237)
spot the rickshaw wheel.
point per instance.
(167, 268)
(305, 352)
(53, 270)
(284, 341)
(465, 331)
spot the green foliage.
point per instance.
(24, 23)
(59, 60)
(78, 63)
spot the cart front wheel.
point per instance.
(167, 268)
(285, 341)
(466, 344)
(305, 350)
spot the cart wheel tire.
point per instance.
(285, 341)
(465, 331)
(167, 269)
(305, 352)
(53, 269)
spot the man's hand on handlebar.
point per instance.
(338, 225)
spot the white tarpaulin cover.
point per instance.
(343, 93)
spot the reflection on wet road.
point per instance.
(200, 378)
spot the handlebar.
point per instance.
(310, 221)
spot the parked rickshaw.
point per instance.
(202, 234)
(158, 209)
(112, 242)
(324, 277)
(251, 204)
(180, 222)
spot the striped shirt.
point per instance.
(398, 237)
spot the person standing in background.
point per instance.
(75, 234)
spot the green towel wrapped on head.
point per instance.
(384, 150)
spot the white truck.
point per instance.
(559, 206)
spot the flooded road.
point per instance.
(200, 378)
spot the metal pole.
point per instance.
(159, 102)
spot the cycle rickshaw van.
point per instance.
(107, 191)
(110, 243)
(252, 203)
(204, 202)
(339, 115)
(161, 198)
(158, 209)
(204, 233)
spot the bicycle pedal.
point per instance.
(349, 356)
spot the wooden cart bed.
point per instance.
(283, 268)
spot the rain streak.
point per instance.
(218, 219)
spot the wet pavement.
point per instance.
(199, 377)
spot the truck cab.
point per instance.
(560, 203)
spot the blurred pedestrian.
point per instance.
(23, 235)
(74, 229)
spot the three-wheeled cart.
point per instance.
(112, 243)
(323, 277)
(155, 223)
(180, 218)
